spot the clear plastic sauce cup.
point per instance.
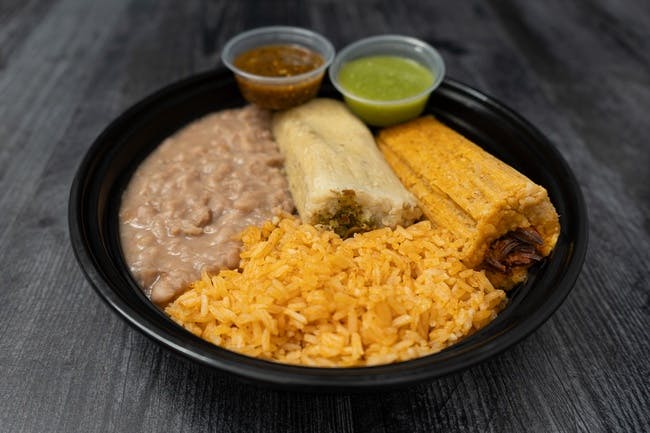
(280, 91)
(395, 62)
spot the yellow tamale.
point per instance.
(504, 221)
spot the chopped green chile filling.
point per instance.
(346, 220)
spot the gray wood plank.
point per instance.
(579, 71)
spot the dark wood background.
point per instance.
(580, 71)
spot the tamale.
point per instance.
(504, 221)
(337, 176)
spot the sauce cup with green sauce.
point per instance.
(278, 67)
(387, 79)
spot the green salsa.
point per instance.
(378, 80)
(384, 78)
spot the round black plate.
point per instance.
(108, 165)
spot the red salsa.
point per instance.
(279, 61)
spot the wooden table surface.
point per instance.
(580, 71)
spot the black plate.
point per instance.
(108, 165)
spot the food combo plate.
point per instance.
(107, 167)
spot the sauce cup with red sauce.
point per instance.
(278, 67)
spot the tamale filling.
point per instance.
(347, 218)
(515, 248)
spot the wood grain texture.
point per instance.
(580, 71)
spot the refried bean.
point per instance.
(186, 203)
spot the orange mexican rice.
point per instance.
(305, 296)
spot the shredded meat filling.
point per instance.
(515, 248)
